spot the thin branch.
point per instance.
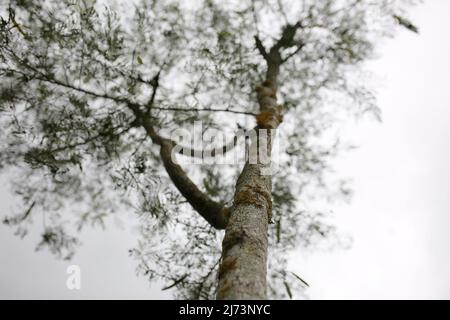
(205, 278)
(210, 110)
(88, 140)
(261, 48)
(155, 85)
(299, 48)
(52, 80)
(175, 282)
(19, 219)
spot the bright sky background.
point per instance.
(399, 218)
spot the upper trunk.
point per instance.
(243, 270)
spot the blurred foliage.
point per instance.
(69, 68)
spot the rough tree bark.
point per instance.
(242, 273)
(243, 269)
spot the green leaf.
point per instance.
(288, 290)
(206, 51)
(223, 34)
(139, 60)
(300, 279)
(278, 231)
(406, 24)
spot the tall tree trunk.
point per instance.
(243, 269)
(242, 273)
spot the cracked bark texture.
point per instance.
(243, 270)
(242, 274)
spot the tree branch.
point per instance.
(273, 57)
(155, 84)
(88, 140)
(214, 212)
(297, 50)
(49, 79)
(287, 37)
(261, 48)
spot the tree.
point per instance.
(93, 101)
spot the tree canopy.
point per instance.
(78, 76)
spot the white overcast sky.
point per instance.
(399, 217)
